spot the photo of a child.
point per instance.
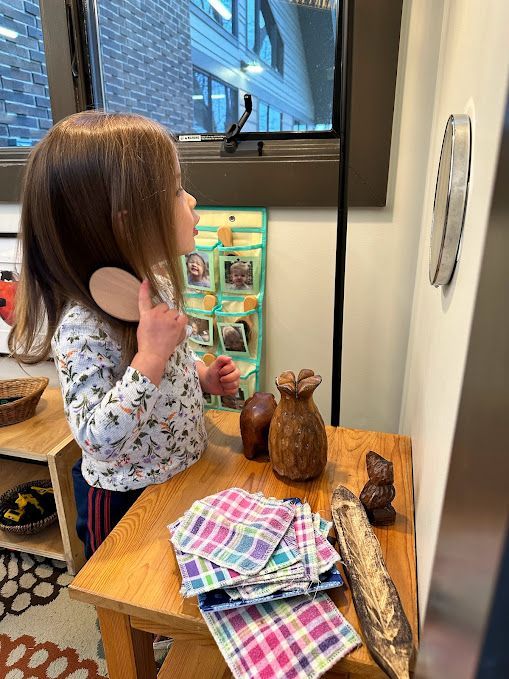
(201, 332)
(235, 402)
(197, 270)
(233, 337)
(238, 275)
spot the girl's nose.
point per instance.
(191, 201)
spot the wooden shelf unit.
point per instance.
(38, 448)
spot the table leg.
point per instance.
(129, 652)
(60, 462)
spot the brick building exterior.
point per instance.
(147, 65)
(25, 112)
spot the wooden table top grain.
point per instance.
(134, 572)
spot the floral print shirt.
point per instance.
(131, 432)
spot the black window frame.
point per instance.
(297, 169)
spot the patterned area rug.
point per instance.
(43, 633)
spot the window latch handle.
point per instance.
(231, 140)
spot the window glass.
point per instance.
(202, 120)
(219, 10)
(25, 112)
(215, 104)
(280, 51)
(274, 120)
(263, 117)
(251, 23)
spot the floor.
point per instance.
(9, 370)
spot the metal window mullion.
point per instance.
(235, 19)
(94, 57)
(258, 9)
(63, 88)
(209, 88)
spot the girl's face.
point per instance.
(186, 219)
(195, 266)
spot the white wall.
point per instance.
(473, 76)
(299, 302)
(382, 243)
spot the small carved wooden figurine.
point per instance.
(378, 493)
(297, 438)
(255, 422)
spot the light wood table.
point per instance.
(42, 447)
(134, 580)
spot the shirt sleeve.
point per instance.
(105, 414)
(195, 356)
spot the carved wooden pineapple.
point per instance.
(297, 438)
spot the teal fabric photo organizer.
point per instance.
(225, 287)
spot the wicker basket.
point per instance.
(27, 528)
(30, 389)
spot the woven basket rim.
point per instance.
(35, 525)
(42, 383)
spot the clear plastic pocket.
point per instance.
(238, 330)
(200, 316)
(201, 265)
(240, 270)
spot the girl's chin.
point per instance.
(187, 249)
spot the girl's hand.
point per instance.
(159, 332)
(221, 378)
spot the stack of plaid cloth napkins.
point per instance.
(252, 546)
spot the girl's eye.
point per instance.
(180, 190)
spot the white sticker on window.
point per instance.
(189, 137)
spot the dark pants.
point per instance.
(99, 510)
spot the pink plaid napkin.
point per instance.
(306, 540)
(297, 638)
(234, 529)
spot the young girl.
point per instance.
(104, 189)
(197, 270)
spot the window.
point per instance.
(150, 54)
(147, 58)
(269, 118)
(263, 36)
(25, 112)
(222, 11)
(215, 104)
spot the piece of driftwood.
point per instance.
(255, 422)
(297, 438)
(385, 626)
(379, 492)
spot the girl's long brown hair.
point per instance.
(99, 190)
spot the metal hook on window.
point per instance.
(231, 141)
